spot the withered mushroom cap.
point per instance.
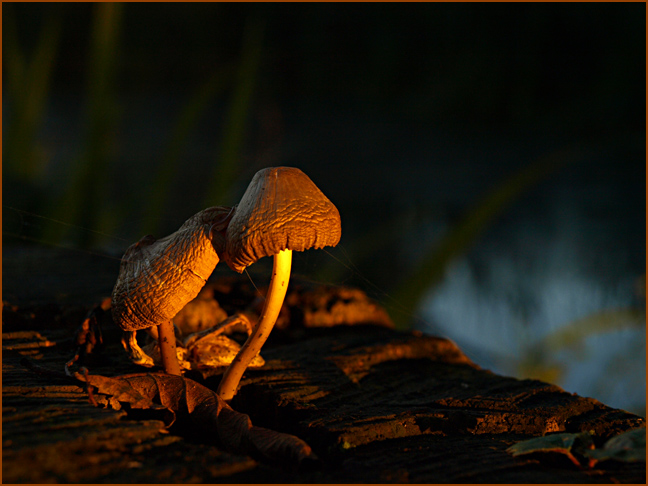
(281, 209)
(158, 277)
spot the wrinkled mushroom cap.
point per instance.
(281, 209)
(158, 277)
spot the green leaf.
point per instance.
(629, 446)
(549, 443)
(563, 443)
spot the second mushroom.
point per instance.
(158, 277)
(281, 211)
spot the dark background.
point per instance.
(488, 160)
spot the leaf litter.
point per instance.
(183, 397)
(629, 446)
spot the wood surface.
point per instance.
(375, 404)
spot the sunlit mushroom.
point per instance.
(158, 277)
(282, 210)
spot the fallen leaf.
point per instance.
(119, 391)
(180, 395)
(558, 443)
(629, 446)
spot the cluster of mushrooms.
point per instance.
(281, 210)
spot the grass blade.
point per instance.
(464, 234)
(235, 125)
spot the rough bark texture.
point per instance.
(376, 405)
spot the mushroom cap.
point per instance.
(281, 209)
(157, 278)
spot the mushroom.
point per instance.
(282, 210)
(158, 277)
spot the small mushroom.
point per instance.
(158, 277)
(282, 210)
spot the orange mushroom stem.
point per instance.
(271, 308)
(168, 353)
(281, 211)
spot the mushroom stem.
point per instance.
(269, 314)
(167, 345)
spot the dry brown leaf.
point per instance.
(206, 410)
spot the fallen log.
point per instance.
(375, 405)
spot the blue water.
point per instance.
(563, 257)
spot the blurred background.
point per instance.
(488, 160)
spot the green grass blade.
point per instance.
(234, 131)
(83, 201)
(28, 83)
(203, 97)
(464, 234)
(573, 334)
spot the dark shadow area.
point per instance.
(488, 160)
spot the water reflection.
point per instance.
(552, 293)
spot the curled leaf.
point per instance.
(563, 443)
(629, 446)
(218, 421)
(119, 390)
(208, 351)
